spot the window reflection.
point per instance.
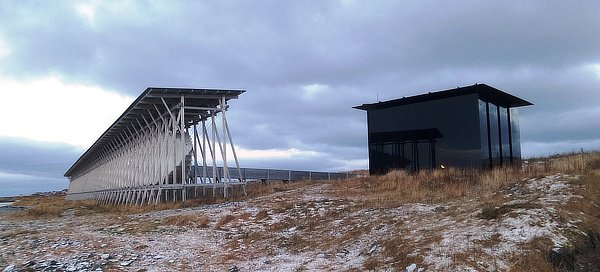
(494, 134)
(408, 149)
(484, 134)
(504, 135)
(515, 137)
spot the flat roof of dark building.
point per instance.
(485, 92)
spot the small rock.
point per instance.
(342, 251)
(29, 263)
(96, 266)
(234, 269)
(84, 265)
(440, 209)
(10, 268)
(171, 261)
(375, 247)
(412, 267)
(150, 239)
(267, 262)
(105, 256)
(127, 263)
(35, 243)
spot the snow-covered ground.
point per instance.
(303, 229)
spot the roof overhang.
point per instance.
(484, 91)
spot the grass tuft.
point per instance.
(224, 220)
(491, 213)
(191, 220)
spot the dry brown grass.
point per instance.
(54, 206)
(533, 257)
(494, 212)
(313, 230)
(224, 220)
(16, 232)
(50, 206)
(399, 187)
(191, 220)
(263, 214)
(434, 186)
(583, 251)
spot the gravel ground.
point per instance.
(302, 229)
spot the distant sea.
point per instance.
(2, 204)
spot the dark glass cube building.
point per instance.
(468, 127)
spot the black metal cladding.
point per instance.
(475, 126)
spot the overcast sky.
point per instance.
(68, 69)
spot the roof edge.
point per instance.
(143, 95)
(485, 92)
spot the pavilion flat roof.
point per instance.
(485, 92)
(146, 108)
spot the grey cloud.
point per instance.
(30, 184)
(33, 166)
(359, 50)
(22, 156)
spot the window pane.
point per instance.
(516, 138)
(483, 126)
(494, 134)
(504, 135)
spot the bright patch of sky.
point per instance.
(3, 49)
(312, 91)
(13, 177)
(543, 149)
(49, 110)
(87, 12)
(595, 68)
(272, 153)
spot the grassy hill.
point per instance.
(544, 216)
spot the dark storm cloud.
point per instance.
(305, 64)
(25, 164)
(273, 44)
(45, 158)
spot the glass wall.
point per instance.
(499, 133)
(410, 150)
(473, 133)
(504, 135)
(484, 134)
(515, 137)
(494, 134)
